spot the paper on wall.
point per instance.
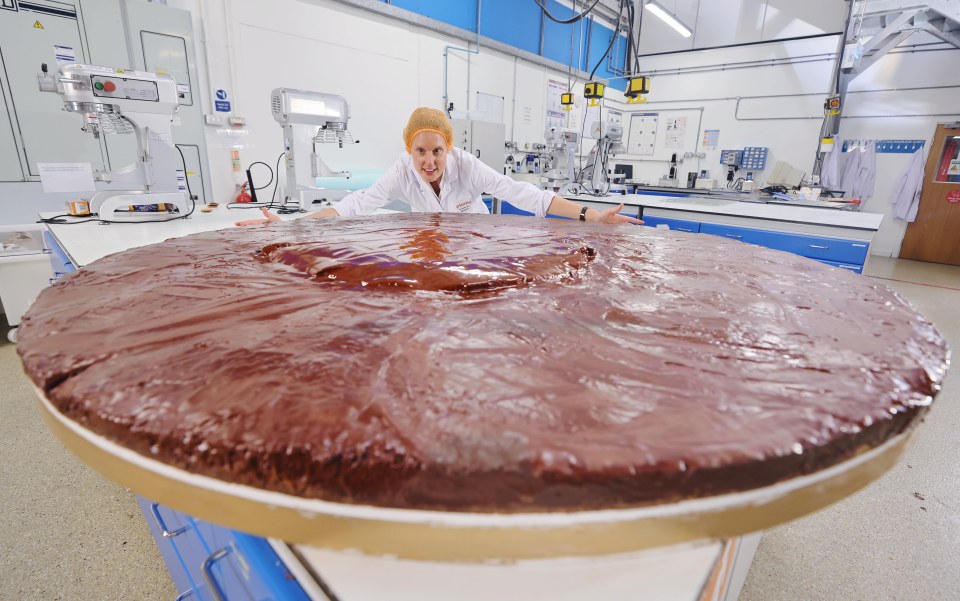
(676, 132)
(66, 177)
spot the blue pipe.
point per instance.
(446, 57)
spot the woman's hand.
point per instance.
(270, 218)
(612, 215)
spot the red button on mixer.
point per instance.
(109, 86)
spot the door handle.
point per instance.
(166, 532)
(209, 578)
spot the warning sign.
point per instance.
(954, 167)
(953, 197)
(37, 25)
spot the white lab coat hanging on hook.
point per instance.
(860, 171)
(830, 168)
(906, 194)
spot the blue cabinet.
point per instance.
(815, 247)
(838, 252)
(209, 562)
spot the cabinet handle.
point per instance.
(208, 576)
(684, 229)
(155, 510)
(184, 595)
(820, 247)
(733, 236)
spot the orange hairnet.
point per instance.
(427, 119)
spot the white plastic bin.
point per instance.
(24, 269)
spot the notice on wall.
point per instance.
(490, 107)
(676, 132)
(556, 116)
(642, 138)
(66, 177)
(526, 114)
(711, 139)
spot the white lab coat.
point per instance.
(464, 179)
(860, 172)
(906, 194)
(830, 169)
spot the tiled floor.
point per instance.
(66, 533)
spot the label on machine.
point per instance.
(121, 87)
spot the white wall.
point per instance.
(385, 68)
(727, 22)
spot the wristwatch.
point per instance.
(583, 214)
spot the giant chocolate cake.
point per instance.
(481, 363)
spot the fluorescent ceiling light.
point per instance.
(669, 18)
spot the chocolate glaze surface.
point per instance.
(481, 363)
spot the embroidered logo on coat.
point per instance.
(464, 206)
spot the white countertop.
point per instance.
(87, 242)
(722, 206)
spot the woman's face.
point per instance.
(429, 152)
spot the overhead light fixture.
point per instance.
(668, 17)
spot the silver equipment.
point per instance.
(609, 137)
(117, 101)
(562, 145)
(329, 113)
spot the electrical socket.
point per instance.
(694, 155)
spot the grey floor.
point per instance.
(67, 533)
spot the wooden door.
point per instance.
(935, 235)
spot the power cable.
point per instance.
(58, 219)
(573, 19)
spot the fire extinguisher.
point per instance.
(242, 196)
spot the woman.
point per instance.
(436, 176)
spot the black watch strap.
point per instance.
(583, 214)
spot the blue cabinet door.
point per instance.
(830, 249)
(850, 252)
(59, 261)
(242, 566)
(680, 225)
(849, 267)
(213, 562)
(508, 209)
(169, 528)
